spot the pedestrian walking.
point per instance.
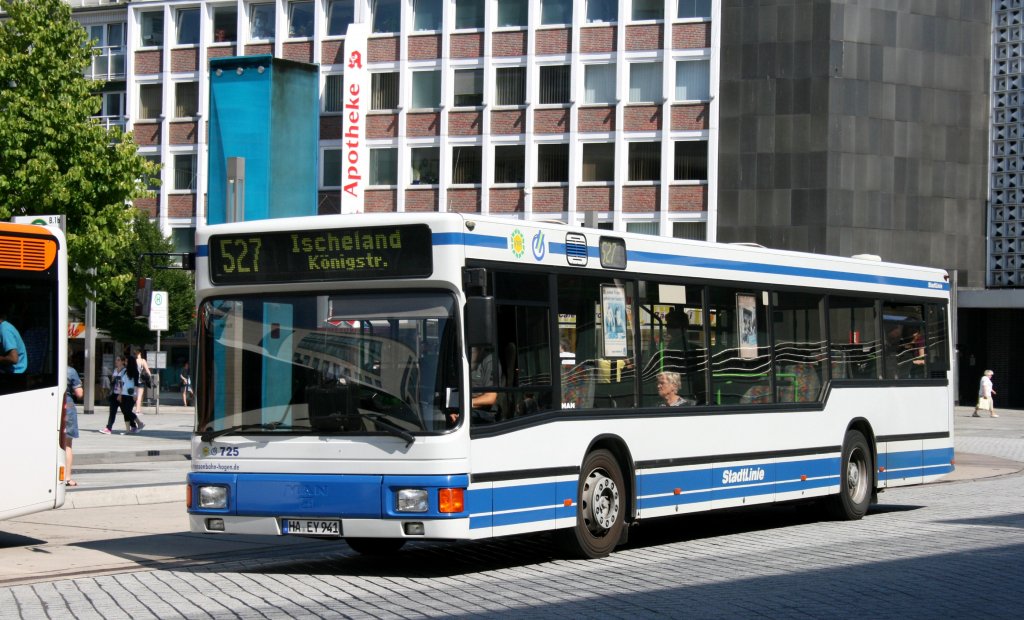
(186, 384)
(145, 379)
(985, 394)
(122, 396)
(75, 391)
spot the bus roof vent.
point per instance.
(872, 257)
(576, 249)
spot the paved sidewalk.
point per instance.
(121, 469)
(150, 467)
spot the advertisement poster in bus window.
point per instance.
(746, 319)
(613, 310)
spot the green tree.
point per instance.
(53, 157)
(115, 304)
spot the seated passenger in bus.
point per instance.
(668, 389)
(13, 357)
(481, 373)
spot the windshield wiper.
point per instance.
(391, 429)
(210, 434)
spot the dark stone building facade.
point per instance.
(857, 127)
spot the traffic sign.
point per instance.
(158, 314)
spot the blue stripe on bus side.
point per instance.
(470, 239)
(202, 251)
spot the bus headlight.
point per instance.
(213, 497)
(412, 500)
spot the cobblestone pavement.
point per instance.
(941, 550)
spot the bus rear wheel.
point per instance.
(855, 479)
(600, 508)
(375, 546)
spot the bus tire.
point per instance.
(856, 478)
(375, 546)
(600, 508)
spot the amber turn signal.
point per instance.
(451, 500)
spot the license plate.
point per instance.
(311, 527)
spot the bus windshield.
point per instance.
(327, 364)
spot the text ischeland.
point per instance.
(330, 251)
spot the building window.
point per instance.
(426, 15)
(383, 91)
(150, 100)
(690, 230)
(426, 90)
(331, 173)
(334, 96)
(510, 86)
(598, 162)
(466, 164)
(645, 82)
(602, 11)
(340, 14)
(599, 84)
(187, 25)
(645, 161)
(694, 8)
(513, 13)
(152, 23)
(555, 12)
(300, 19)
(510, 163)
(469, 87)
(693, 80)
(185, 172)
(426, 165)
(261, 21)
(183, 239)
(554, 84)
(225, 24)
(112, 104)
(186, 99)
(691, 161)
(153, 182)
(642, 228)
(387, 15)
(107, 35)
(469, 14)
(383, 166)
(648, 9)
(552, 163)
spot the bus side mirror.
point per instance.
(479, 321)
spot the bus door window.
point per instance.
(799, 346)
(903, 328)
(523, 351)
(596, 316)
(854, 339)
(936, 346)
(740, 349)
(672, 341)
(28, 309)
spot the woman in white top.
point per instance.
(122, 390)
(985, 393)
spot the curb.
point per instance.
(125, 496)
(112, 458)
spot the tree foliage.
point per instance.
(114, 305)
(54, 159)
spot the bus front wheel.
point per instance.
(855, 479)
(375, 546)
(600, 508)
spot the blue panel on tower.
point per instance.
(265, 110)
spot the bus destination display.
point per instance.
(321, 255)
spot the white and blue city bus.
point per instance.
(616, 377)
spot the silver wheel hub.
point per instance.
(600, 502)
(855, 482)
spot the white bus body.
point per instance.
(770, 417)
(33, 278)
